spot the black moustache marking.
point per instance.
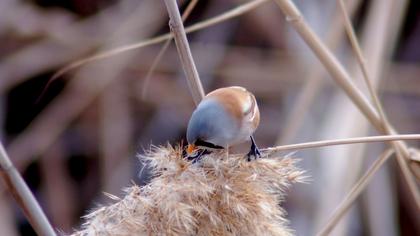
(197, 157)
(202, 143)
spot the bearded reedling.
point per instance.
(225, 117)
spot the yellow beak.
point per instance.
(191, 148)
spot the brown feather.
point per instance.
(234, 99)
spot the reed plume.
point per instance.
(222, 194)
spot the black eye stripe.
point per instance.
(202, 143)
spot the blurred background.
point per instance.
(82, 136)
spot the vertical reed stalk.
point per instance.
(362, 61)
(357, 189)
(23, 196)
(184, 51)
(342, 77)
(163, 49)
(314, 81)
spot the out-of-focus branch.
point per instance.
(333, 66)
(163, 49)
(116, 137)
(37, 21)
(313, 80)
(341, 76)
(237, 11)
(357, 189)
(63, 45)
(7, 220)
(59, 191)
(82, 90)
(362, 61)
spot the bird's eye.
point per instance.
(202, 143)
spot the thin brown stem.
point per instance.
(235, 12)
(314, 81)
(357, 189)
(361, 61)
(23, 195)
(184, 51)
(388, 25)
(342, 77)
(162, 51)
(333, 66)
(317, 144)
(24, 148)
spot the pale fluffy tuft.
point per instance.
(218, 196)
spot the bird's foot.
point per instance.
(254, 153)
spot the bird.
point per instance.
(223, 118)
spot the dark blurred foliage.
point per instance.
(82, 8)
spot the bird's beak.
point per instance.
(191, 148)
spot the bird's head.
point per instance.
(210, 127)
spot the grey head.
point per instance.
(210, 125)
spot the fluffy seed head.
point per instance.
(217, 196)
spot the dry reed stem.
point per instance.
(341, 76)
(402, 149)
(415, 163)
(383, 34)
(36, 130)
(81, 91)
(184, 51)
(235, 12)
(162, 51)
(333, 66)
(216, 197)
(334, 142)
(228, 15)
(69, 43)
(356, 190)
(313, 82)
(220, 195)
(23, 195)
(362, 62)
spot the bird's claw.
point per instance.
(198, 156)
(254, 152)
